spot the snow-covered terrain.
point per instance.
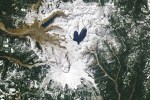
(68, 66)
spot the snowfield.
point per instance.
(69, 66)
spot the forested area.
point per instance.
(122, 66)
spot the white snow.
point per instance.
(12, 90)
(68, 65)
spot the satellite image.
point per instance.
(74, 50)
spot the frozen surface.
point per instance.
(68, 66)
